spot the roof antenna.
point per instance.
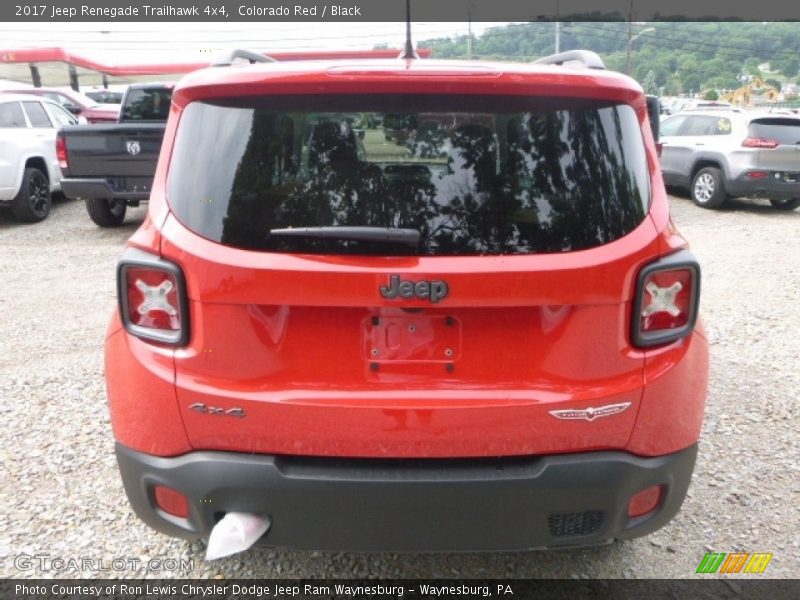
(408, 51)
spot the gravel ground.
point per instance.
(62, 497)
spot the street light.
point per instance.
(632, 39)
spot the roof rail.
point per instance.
(248, 55)
(586, 57)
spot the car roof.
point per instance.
(407, 76)
(737, 113)
(18, 97)
(152, 85)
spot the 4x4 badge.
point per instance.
(433, 290)
(216, 410)
(591, 413)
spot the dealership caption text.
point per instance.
(272, 590)
(48, 11)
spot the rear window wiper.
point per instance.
(408, 237)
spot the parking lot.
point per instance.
(63, 499)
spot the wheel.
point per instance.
(708, 190)
(106, 213)
(33, 201)
(789, 204)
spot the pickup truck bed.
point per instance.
(112, 166)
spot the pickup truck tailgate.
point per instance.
(124, 150)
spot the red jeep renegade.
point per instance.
(408, 305)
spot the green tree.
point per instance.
(711, 95)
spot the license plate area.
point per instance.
(411, 338)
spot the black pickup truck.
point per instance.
(111, 167)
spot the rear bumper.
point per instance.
(413, 504)
(100, 188)
(768, 187)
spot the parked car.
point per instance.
(487, 340)
(717, 154)
(111, 167)
(76, 103)
(29, 171)
(111, 95)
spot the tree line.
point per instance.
(668, 58)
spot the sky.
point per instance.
(154, 42)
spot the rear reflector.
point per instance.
(756, 174)
(152, 298)
(753, 142)
(171, 501)
(667, 295)
(645, 501)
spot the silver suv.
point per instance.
(722, 153)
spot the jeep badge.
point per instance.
(434, 290)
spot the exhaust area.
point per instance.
(236, 532)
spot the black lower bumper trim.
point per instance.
(414, 504)
(762, 188)
(99, 188)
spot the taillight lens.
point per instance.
(61, 150)
(152, 298)
(667, 296)
(756, 142)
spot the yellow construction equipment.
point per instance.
(741, 97)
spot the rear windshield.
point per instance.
(474, 175)
(150, 104)
(785, 131)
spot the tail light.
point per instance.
(666, 300)
(756, 142)
(61, 151)
(152, 298)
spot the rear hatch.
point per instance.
(400, 275)
(780, 146)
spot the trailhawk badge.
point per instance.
(133, 148)
(591, 413)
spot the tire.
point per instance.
(708, 189)
(33, 201)
(106, 213)
(790, 204)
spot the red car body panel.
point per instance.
(548, 325)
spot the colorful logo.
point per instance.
(735, 562)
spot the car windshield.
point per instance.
(147, 104)
(80, 99)
(784, 131)
(479, 175)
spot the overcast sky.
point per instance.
(168, 42)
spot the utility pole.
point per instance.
(469, 31)
(558, 37)
(630, 37)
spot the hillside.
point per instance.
(676, 57)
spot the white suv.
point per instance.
(29, 170)
(722, 153)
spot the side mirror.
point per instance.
(654, 115)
